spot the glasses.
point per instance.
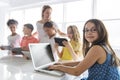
(93, 30)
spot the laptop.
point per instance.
(42, 58)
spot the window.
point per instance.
(113, 29)
(108, 9)
(19, 16)
(57, 13)
(78, 11)
(32, 15)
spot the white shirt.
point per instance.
(14, 41)
(43, 37)
(52, 43)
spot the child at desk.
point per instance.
(100, 59)
(28, 38)
(14, 38)
(51, 32)
(72, 49)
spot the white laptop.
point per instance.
(42, 57)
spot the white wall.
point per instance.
(3, 11)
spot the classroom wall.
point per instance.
(3, 11)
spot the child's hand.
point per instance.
(66, 44)
(54, 67)
(51, 67)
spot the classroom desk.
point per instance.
(17, 68)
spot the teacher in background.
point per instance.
(46, 16)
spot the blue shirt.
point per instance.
(103, 71)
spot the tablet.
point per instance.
(60, 40)
(6, 47)
(17, 50)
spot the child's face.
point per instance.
(47, 14)
(26, 31)
(49, 31)
(91, 34)
(12, 28)
(70, 33)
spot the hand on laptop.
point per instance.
(55, 67)
(52, 67)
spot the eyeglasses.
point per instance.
(93, 30)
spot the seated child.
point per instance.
(28, 38)
(51, 32)
(72, 49)
(14, 38)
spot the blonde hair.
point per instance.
(102, 39)
(76, 34)
(76, 39)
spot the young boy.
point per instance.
(52, 33)
(28, 38)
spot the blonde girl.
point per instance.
(72, 49)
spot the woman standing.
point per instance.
(46, 16)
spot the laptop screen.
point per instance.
(41, 54)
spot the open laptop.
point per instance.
(42, 57)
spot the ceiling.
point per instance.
(4, 3)
(19, 3)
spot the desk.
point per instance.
(17, 68)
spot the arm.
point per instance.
(58, 30)
(69, 46)
(61, 33)
(69, 63)
(25, 48)
(93, 55)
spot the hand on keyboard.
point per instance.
(47, 68)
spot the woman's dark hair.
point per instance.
(44, 8)
(30, 26)
(12, 21)
(102, 39)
